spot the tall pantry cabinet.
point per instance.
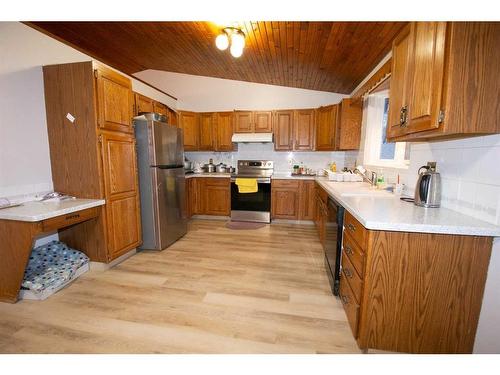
(92, 151)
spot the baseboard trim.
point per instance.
(98, 266)
(210, 217)
(285, 221)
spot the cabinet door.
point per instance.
(398, 92)
(284, 203)
(263, 122)
(325, 128)
(349, 125)
(426, 76)
(188, 198)
(243, 122)
(206, 131)
(224, 131)
(143, 104)
(114, 100)
(304, 130)
(217, 196)
(188, 122)
(160, 108)
(283, 130)
(307, 201)
(172, 117)
(121, 193)
(197, 186)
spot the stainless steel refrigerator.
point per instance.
(160, 159)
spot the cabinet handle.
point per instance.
(403, 116)
(348, 250)
(344, 299)
(351, 227)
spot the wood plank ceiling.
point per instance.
(326, 56)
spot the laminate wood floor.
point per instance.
(215, 291)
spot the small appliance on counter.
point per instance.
(428, 188)
(188, 166)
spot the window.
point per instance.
(377, 151)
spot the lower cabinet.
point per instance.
(208, 196)
(412, 292)
(292, 199)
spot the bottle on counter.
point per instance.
(333, 167)
(296, 169)
(301, 168)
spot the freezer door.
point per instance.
(171, 219)
(168, 149)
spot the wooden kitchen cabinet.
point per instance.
(102, 167)
(115, 102)
(283, 130)
(160, 108)
(285, 199)
(224, 131)
(207, 131)
(321, 212)
(172, 117)
(434, 67)
(217, 196)
(190, 125)
(253, 122)
(292, 199)
(349, 117)
(294, 130)
(326, 123)
(392, 291)
(142, 104)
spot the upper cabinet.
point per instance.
(253, 122)
(160, 108)
(189, 123)
(143, 104)
(207, 131)
(444, 80)
(349, 116)
(224, 131)
(115, 100)
(294, 130)
(326, 123)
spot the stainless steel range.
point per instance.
(252, 206)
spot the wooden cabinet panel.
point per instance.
(352, 278)
(62, 221)
(143, 104)
(304, 123)
(197, 186)
(307, 200)
(426, 75)
(207, 130)
(283, 130)
(114, 100)
(189, 123)
(224, 131)
(160, 108)
(354, 252)
(217, 196)
(325, 128)
(351, 308)
(121, 193)
(243, 122)
(285, 199)
(401, 50)
(263, 122)
(357, 231)
(349, 125)
(172, 118)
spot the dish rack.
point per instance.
(343, 176)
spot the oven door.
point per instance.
(251, 206)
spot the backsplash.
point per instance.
(283, 160)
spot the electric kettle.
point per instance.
(428, 189)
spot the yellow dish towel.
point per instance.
(247, 185)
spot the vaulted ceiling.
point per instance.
(326, 56)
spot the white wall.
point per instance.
(24, 148)
(206, 94)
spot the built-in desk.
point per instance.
(20, 225)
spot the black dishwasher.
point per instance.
(333, 243)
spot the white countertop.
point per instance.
(37, 211)
(382, 210)
(288, 176)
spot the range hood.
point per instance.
(252, 137)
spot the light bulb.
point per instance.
(236, 51)
(222, 41)
(238, 40)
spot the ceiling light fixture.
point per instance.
(233, 36)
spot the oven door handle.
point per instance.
(259, 180)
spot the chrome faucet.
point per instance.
(361, 171)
